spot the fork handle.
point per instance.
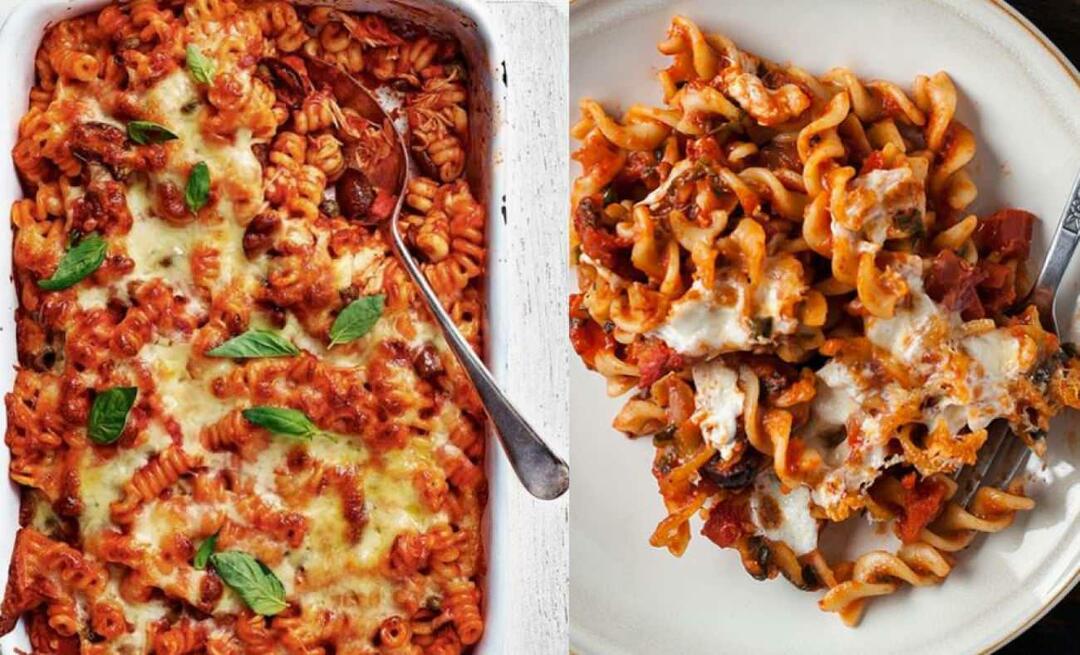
(543, 473)
(1062, 246)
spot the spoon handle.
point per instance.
(1064, 242)
(541, 471)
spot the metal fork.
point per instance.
(1002, 458)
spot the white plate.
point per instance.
(1020, 96)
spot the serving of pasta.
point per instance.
(234, 426)
(782, 272)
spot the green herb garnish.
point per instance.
(252, 580)
(206, 549)
(81, 260)
(910, 223)
(356, 319)
(255, 343)
(202, 68)
(762, 326)
(282, 421)
(144, 132)
(609, 197)
(198, 187)
(109, 413)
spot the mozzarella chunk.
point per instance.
(783, 517)
(718, 403)
(700, 324)
(877, 198)
(778, 294)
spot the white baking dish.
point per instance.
(469, 23)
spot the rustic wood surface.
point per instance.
(534, 39)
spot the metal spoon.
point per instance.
(541, 471)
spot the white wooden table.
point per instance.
(533, 38)
(535, 44)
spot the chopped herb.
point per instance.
(910, 223)
(667, 461)
(610, 197)
(664, 436)
(206, 549)
(810, 578)
(762, 326)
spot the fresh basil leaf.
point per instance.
(198, 187)
(356, 319)
(282, 420)
(252, 580)
(109, 414)
(201, 67)
(206, 549)
(81, 260)
(255, 343)
(144, 132)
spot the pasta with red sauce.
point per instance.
(235, 427)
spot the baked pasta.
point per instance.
(234, 426)
(782, 271)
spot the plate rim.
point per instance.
(583, 644)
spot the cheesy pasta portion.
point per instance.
(782, 271)
(234, 426)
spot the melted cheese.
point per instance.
(840, 405)
(660, 192)
(838, 397)
(778, 294)
(876, 198)
(957, 381)
(698, 324)
(734, 316)
(183, 397)
(718, 403)
(174, 100)
(915, 326)
(783, 517)
(101, 480)
(366, 266)
(970, 376)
